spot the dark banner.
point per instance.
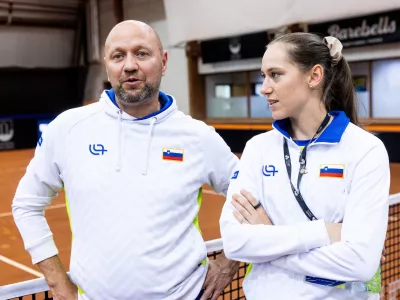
(373, 29)
(234, 48)
(22, 133)
(31, 98)
(40, 90)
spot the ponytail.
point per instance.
(339, 93)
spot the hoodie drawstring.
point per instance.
(147, 153)
(118, 167)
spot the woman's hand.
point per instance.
(249, 210)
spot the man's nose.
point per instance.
(131, 64)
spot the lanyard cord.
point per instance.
(302, 170)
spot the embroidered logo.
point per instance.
(269, 170)
(97, 149)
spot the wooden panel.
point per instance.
(197, 97)
(118, 11)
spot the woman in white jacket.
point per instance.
(308, 206)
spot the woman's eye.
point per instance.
(274, 75)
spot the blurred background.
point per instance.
(51, 58)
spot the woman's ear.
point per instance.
(316, 76)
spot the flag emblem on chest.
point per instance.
(336, 171)
(172, 154)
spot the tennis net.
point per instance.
(37, 289)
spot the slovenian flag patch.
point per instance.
(336, 171)
(172, 154)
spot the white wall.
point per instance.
(176, 80)
(207, 19)
(35, 47)
(372, 52)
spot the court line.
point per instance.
(393, 199)
(20, 266)
(211, 192)
(38, 274)
(34, 272)
(8, 214)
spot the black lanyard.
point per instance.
(302, 170)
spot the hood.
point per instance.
(168, 108)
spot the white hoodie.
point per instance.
(355, 192)
(134, 190)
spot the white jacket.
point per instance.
(134, 190)
(283, 254)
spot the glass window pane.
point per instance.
(258, 102)
(226, 95)
(361, 76)
(239, 90)
(386, 88)
(223, 91)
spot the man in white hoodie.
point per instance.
(132, 166)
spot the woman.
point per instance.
(309, 204)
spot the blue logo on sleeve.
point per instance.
(235, 175)
(97, 149)
(40, 141)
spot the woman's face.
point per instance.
(285, 85)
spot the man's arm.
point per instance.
(219, 166)
(219, 275)
(56, 277)
(35, 192)
(219, 162)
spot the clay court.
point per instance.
(15, 263)
(12, 166)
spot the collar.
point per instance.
(164, 100)
(332, 134)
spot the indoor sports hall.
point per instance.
(51, 60)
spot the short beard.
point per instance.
(144, 96)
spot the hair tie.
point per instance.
(335, 49)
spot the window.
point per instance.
(258, 102)
(226, 95)
(222, 91)
(386, 88)
(361, 78)
(237, 95)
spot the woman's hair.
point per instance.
(307, 50)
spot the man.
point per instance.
(132, 167)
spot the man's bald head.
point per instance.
(134, 28)
(135, 62)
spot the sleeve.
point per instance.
(35, 191)
(357, 256)
(263, 243)
(220, 162)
